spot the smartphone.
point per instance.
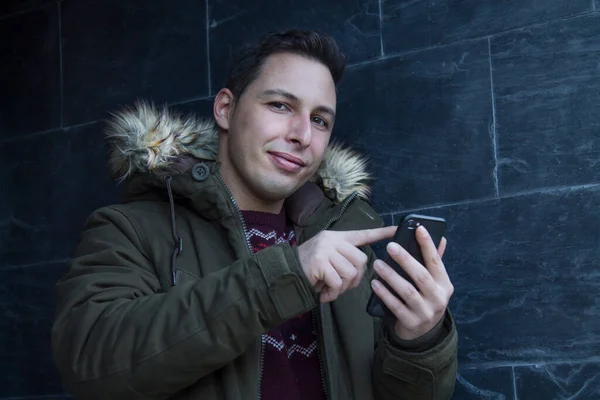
(405, 236)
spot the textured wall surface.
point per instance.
(485, 112)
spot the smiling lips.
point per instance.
(287, 162)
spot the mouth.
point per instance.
(290, 158)
(287, 162)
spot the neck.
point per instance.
(245, 199)
(247, 202)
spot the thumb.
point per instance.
(368, 236)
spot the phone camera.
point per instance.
(412, 224)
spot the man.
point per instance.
(239, 266)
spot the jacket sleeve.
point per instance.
(415, 372)
(429, 375)
(117, 335)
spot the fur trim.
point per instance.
(144, 138)
(343, 172)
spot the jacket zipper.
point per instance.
(318, 320)
(237, 209)
(317, 329)
(262, 347)
(347, 202)
(261, 354)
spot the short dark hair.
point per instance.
(311, 44)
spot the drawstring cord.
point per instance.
(178, 248)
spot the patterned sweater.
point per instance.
(291, 367)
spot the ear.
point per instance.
(223, 107)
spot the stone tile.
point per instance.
(51, 183)
(8, 7)
(200, 108)
(355, 25)
(115, 52)
(29, 73)
(565, 381)
(547, 97)
(410, 24)
(65, 396)
(483, 383)
(423, 121)
(525, 271)
(27, 309)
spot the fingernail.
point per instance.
(422, 231)
(375, 283)
(393, 247)
(377, 265)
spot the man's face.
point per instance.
(275, 135)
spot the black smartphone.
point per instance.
(405, 236)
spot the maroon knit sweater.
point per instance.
(291, 367)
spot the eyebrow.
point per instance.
(293, 97)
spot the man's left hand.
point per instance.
(421, 310)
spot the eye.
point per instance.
(278, 106)
(320, 121)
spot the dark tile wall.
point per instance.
(356, 24)
(525, 269)
(546, 90)
(424, 120)
(30, 74)
(413, 25)
(27, 367)
(116, 51)
(13, 7)
(484, 112)
(50, 183)
(488, 383)
(566, 381)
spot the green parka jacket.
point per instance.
(164, 298)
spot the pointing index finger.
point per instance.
(368, 236)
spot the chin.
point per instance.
(281, 190)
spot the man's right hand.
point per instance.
(332, 261)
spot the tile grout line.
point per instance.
(494, 120)
(35, 264)
(544, 190)
(381, 28)
(514, 383)
(432, 207)
(75, 126)
(552, 189)
(533, 363)
(60, 55)
(208, 49)
(407, 4)
(178, 103)
(48, 396)
(47, 131)
(21, 12)
(411, 52)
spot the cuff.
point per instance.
(288, 287)
(423, 343)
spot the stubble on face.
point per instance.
(278, 131)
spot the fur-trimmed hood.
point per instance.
(144, 139)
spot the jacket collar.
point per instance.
(147, 144)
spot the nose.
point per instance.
(300, 132)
